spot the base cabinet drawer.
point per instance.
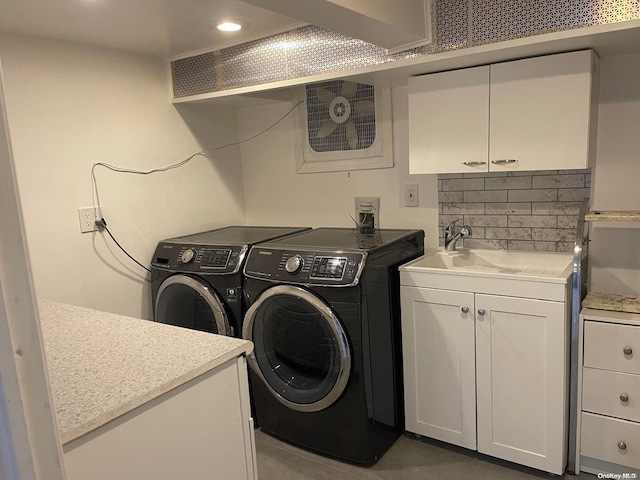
(611, 393)
(611, 440)
(612, 347)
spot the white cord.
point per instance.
(95, 196)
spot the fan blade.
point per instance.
(326, 129)
(324, 95)
(349, 89)
(352, 134)
(364, 107)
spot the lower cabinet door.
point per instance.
(439, 364)
(522, 383)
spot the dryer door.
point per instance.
(301, 351)
(189, 302)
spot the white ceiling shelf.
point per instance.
(607, 40)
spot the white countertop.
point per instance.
(102, 365)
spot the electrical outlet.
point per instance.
(367, 212)
(411, 195)
(87, 217)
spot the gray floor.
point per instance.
(408, 459)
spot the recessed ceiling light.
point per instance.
(229, 26)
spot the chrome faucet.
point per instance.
(451, 238)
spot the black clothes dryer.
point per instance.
(196, 280)
(324, 316)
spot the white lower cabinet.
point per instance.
(487, 372)
(198, 431)
(609, 407)
(439, 364)
(521, 375)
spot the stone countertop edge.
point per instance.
(102, 365)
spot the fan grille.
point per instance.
(318, 114)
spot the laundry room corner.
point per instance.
(72, 105)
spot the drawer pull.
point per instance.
(474, 164)
(622, 445)
(506, 161)
(465, 309)
(481, 311)
(627, 350)
(624, 397)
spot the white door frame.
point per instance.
(29, 442)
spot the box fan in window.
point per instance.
(344, 125)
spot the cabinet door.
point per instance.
(540, 112)
(522, 382)
(439, 364)
(449, 121)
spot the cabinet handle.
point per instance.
(474, 164)
(465, 309)
(504, 162)
(624, 397)
(481, 311)
(627, 350)
(622, 445)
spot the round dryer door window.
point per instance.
(188, 302)
(301, 351)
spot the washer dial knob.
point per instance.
(188, 255)
(294, 264)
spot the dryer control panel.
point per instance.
(218, 259)
(308, 267)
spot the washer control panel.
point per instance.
(309, 267)
(198, 258)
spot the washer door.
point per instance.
(301, 351)
(188, 302)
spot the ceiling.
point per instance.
(165, 28)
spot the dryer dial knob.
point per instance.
(294, 264)
(188, 255)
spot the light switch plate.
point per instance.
(411, 195)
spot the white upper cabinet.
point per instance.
(449, 121)
(533, 114)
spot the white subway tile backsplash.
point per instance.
(450, 197)
(507, 183)
(534, 211)
(486, 244)
(445, 220)
(546, 221)
(553, 234)
(569, 221)
(558, 181)
(486, 220)
(531, 195)
(565, 246)
(555, 208)
(508, 209)
(463, 208)
(515, 233)
(531, 246)
(491, 196)
(462, 184)
(572, 194)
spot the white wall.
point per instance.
(70, 105)
(615, 249)
(275, 194)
